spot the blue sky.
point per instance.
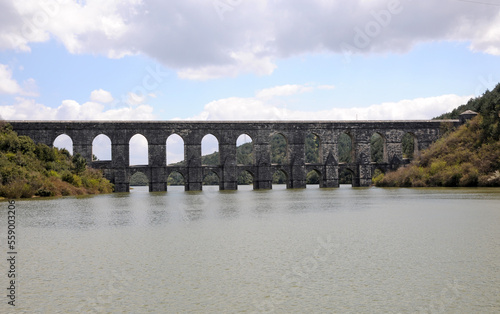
(242, 60)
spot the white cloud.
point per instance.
(135, 99)
(289, 90)
(29, 109)
(283, 90)
(258, 109)
(326, 87)
(7, 84)
(101, 96)
(201, 42)
(239, 63)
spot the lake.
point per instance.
(345, 250)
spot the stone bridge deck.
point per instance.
(119, 170)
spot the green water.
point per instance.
(284, 251)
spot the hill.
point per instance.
(468, 156)
(28, 169)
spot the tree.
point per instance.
(80, 163)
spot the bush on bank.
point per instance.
(28, 169)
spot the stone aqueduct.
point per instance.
(118, 170)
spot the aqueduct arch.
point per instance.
(118, 169)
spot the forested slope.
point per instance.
(468, 156)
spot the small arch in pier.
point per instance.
(245, 177)
(139, 178)
(175, 178)
(314, 177)
(280, 177)
(211, 178)
(346, 176)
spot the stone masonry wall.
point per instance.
(119, 171)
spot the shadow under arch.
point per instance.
(280, 177)
(138, 177)
(246, 177)
(347, 177)
(314, 177)
(176, 178)
(211, 178)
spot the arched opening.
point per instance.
(378, 174)
(313, 177)
(101, 148)
(211, 179)
(244, 150)
(138, 150)
(345, 147)
(279, 149)
(410, 145)
(346, 177)
(210, 151)
(280, 178)
(175, 150)
(139, 179)
(313, 149)
(175, 178)
(63, 141)
(378, 148)
(245, 178)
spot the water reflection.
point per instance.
(121, 218)
(158, 217)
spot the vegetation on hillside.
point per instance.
(28, 169)
(468, 156)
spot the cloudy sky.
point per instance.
(244, 60)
